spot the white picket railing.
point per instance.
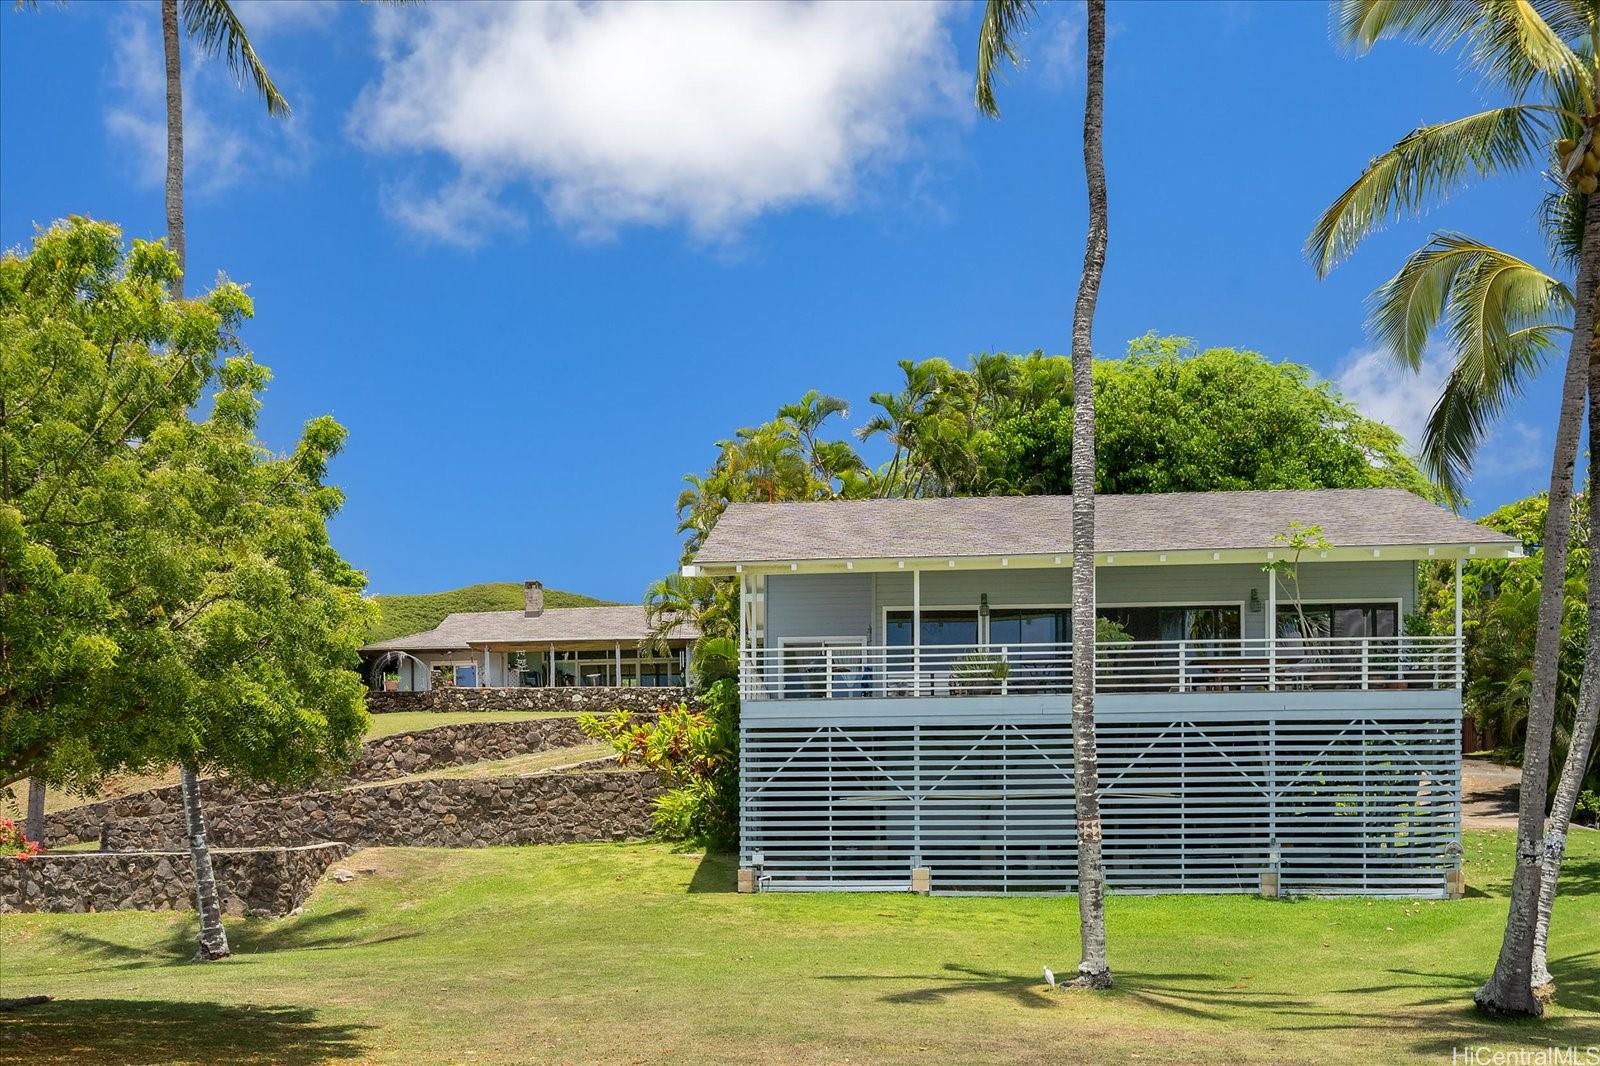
(839, 671)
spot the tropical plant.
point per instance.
(1296, 540)
(1003, 23)
(1503, 314)
(696, 752)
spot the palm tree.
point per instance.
(215, 29)
(1003, 23)
(1504, 315)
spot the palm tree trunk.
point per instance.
(1584, 721)
(169, 40)
(33, 824)
(213, 937)
(1509, 989)
(1093, 970)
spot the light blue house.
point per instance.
(906, 674)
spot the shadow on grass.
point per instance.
(716, 873)
(957, 980)
(162, 1031)
(307, 933)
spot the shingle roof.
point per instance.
(1042, 525)
(558, 625)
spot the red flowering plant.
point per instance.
(14, 843)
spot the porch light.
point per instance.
(1255, 602)
(983, 605)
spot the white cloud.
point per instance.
(655, 114)
(1061, 47)
(463, 213)
(217, 152)
(1384, 390)
(1513, 448)
(263, 17)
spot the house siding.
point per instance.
(835, 605)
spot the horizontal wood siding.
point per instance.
(852, 604)
(818, 605)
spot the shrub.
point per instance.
(14, 843)
(1586, 811)
(696, 752)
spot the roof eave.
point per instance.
(1506, 549)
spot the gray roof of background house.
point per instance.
(558, 625)
(1042, 525)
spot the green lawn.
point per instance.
(634, 953)
(388, 723)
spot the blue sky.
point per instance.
(538, 261)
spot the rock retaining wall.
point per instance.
(380, 760)
(257, 882)
(557, 808)
(595, 700)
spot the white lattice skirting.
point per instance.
(1333, 802)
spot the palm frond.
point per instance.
(1489, 293)
(1004, 21)
(1514, 42)
(217, 30)
(1561, 217)
(1426, 165)
(1503, 317)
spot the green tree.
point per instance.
(1503, 314)
(1004, 21)
(168, 593)
(1171, 419)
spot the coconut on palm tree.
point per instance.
(1003, 23)
(1504, 316)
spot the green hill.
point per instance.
(401, 614)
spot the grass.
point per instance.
(382, 725)
(531, 763)
(389, 723)
(636, 953)
(413, 613)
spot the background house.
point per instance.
(561, 647)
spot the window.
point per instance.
(939, 628)
(1340, 620)
(1219, 622)
(1030, 625)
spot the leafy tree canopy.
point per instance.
(1172, 419)
(1500, 616)
(168, 592)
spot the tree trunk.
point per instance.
(169, 41)
(1509, 989)
(1583, 725)
(1094, 971)
(213, 937)
(33, 824)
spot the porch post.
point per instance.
(618, 652)
(743, 589)
(550, 677)
(1272, 631)
(916, 632)
(1461, 680)
(483, 682)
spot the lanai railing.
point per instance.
(836, 670)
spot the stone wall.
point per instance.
(595, 700)
(557, 808)
(380, 760)
(257, 882)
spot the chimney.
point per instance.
(532, 599)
